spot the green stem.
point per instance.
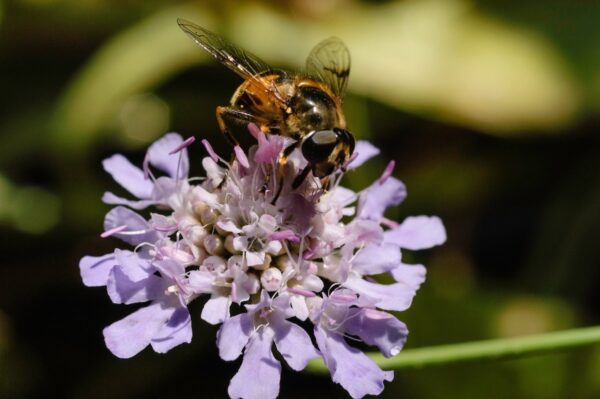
(482, 350)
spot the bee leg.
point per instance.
(227, 117)
(283, 157)
(300, 178)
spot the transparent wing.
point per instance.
(329, 61)
(242, 62)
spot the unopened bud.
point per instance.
(214, 245)
(196, 234)
(229, 244)
(214, 264)
(265, 265)
(271, 279)
(208, 216)
(198, 207)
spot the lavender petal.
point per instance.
(349, 367)
(377, 328)
(417, 232)
(293, 343)
(122, 290)
(376, 259)
(160, 158)
(397, 296)
(233, 336)
(216, 309)
(373, 201)
(95, 269)
(111, 199)
(364, 151)
(121, 216)
(259, 374)
(176, 331)
(129, 336)
(129, 176)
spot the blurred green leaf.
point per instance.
(133, 61)
(440, 58)
(30, 209)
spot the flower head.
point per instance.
(285, 254)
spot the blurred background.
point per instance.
(491, 109)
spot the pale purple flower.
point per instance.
(236, 237)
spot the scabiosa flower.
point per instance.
(285, 255)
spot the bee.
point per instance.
(306, 107)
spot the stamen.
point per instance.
(234, 292)
(288, 235)
(289, 254)
(387, 172)
(392, 224)
(183, 145)
(301, 292)
(308, 253)
(352, 158)
(132, 232)
(255, 131)
(344, 298)
(112, 231)
(374, 314)
(210, 150)
(241, 157)
(172, 289)
(165, 229)
(146, 166)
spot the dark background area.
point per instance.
(490, 109)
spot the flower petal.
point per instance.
(121, 289)
(349, 367)
(269, 147)
(121, 216)
(364, 151)
(95, 269)
(374, 200)
(159, 156)
(129, 336)
(410, 275)
(377, 328)
(136, 265)
(417, 232)
(129, 176)
(169, 268)
(177, 331)
(375, 259)
(233, 336)
(293, 343)
(397, 296)
(111, 199)
(259, 374)
(216, 309)
(200, 281)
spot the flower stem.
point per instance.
(482, 350)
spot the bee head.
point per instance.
(327, 150)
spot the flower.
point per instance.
(309, 254)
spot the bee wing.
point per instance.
(242, 62)
(329, 61)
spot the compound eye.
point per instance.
(319, 145)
